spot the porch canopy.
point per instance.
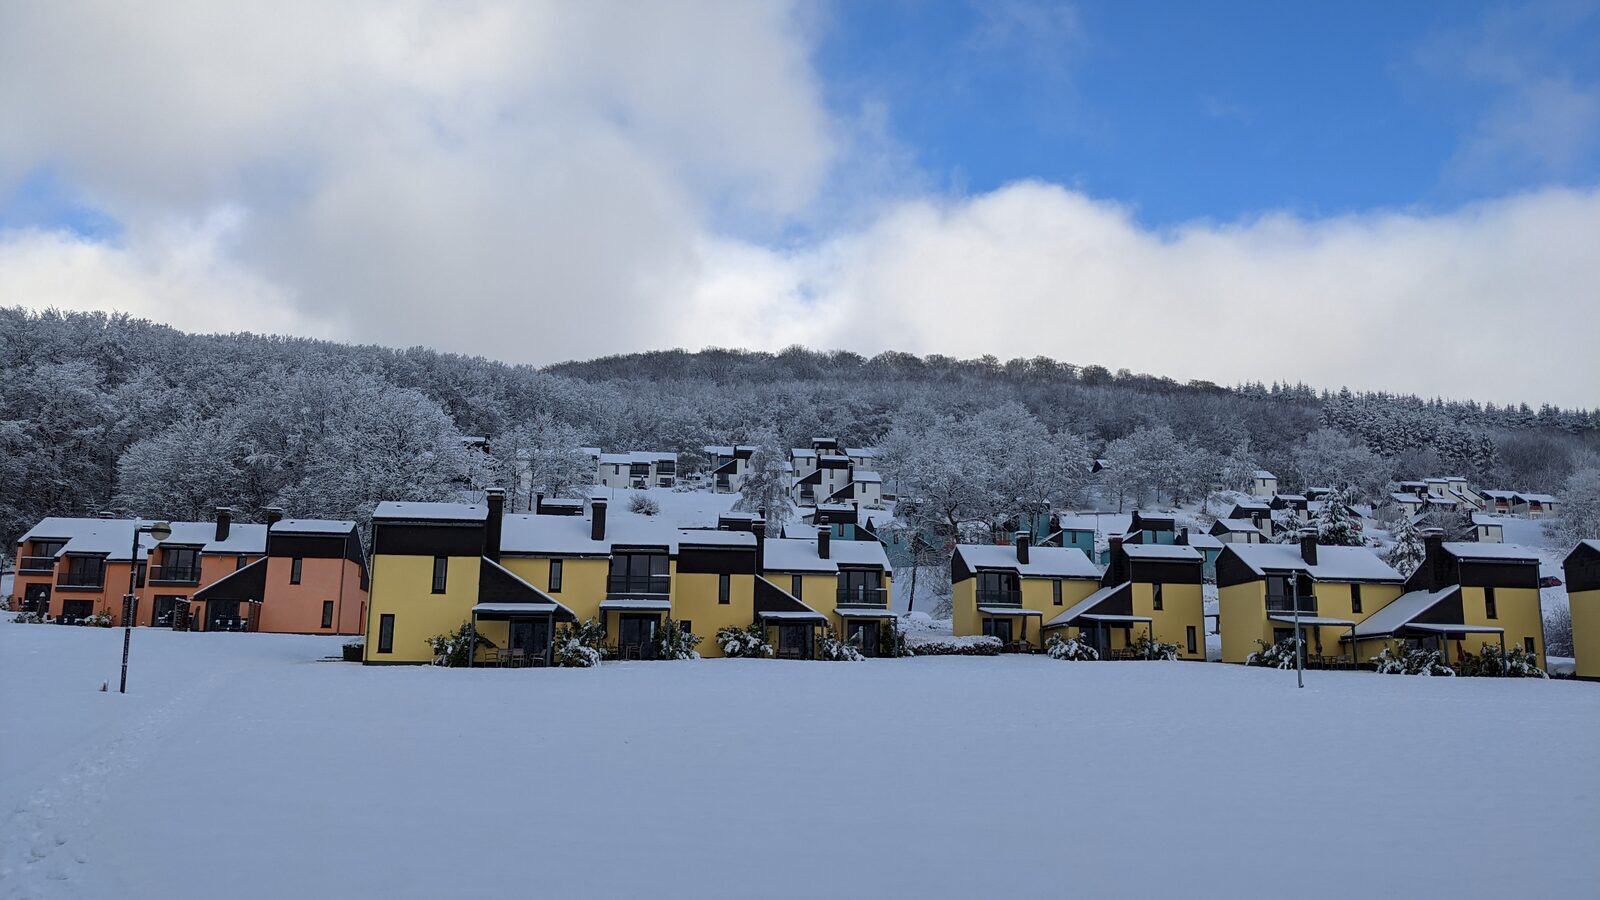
(998, 611)
(1311, 620)
(1109, 604)
(866, 612)
(774, 604)
(1413, 610)
(636, 604)
(1120, 620)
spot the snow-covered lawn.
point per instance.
(241, 766)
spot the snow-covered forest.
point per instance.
(102, 412)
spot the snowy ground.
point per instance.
(241, 766)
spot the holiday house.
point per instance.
(843, 585)
(312, 580)
(1008, 591)
(1150, 590)
(1582, 570)
(729, 466)
(637, 469)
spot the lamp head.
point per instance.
(160, 531)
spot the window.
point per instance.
(1055, 591)
(327, 614)
(1355, 598)
(1488, 604)
(86, 571)
(795, 581)
(555, 576)
(861, 587)
(295, 567)
(441, 568)
(639, 572)
(1194, 640)
(685, 626)
(724, 589)
(1155, 597)
(180, 564)
(239, 562)
(1527, 644)
(386, 633)
(139, 573)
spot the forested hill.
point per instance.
(107, 412)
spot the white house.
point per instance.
(1264, 485)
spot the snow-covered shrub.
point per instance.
(892, 643)
(947, 645)
(453, 647)
(832, 649)
(1273, 656)
(579, 646)
(1514, 662)
(5, 603)
(1408, 550)
(1074, 648)
(1148, 648)
(27, 618)
(1410, 661)
(1558, 629)
(98, 620)
(673, 642)
(644, 505)
(354, 649)
(744, 643)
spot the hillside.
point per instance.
(107, 412)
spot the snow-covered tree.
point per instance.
(1334, 524)
(542, 456)
(766, 484)
(1408, 551)
(1327, 456)
(183, 473)
(1579, 516)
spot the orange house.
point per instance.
(70, 569)
(313, 580)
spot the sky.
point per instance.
(1386, 196)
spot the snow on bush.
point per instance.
(98, 620)
(948, 645)
(892, 642)
(644, 505)
(1273, 656)
(579, 646)
(673, 642)
(1149, 648)
(744, 643)
(1410, 661)
(831, 649)
(1514, 662)
(453, 647)
(1074, 648)
(28, 618)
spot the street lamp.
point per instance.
(160, 531)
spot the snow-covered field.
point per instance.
(242, 766)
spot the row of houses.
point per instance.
(286, 575)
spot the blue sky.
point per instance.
(1222, 190)
(1215, 109)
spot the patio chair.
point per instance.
(518, 658)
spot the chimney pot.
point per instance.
(274, 515)
(1308, 547)
(1024, 540)
(597, 519)
(824, 539)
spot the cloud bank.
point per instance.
(539, 182)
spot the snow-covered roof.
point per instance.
(1204, 541)
(1482, 519)
(803, 452)
(1401, 611)
(114, 537)
(1236, 525)
(533, 534)
(637, 456)
(1405, 498)
(1498, 552)
(1086, 604)
(313, 526)
(408, 510)
(1162, 551)
(1536, 498)
(1333, 563)
(191, 534)
(1293, 497)
(1043, 562)
(868, 477)
(861, 451)
(1263, 473)
(1500, 495)
(589, 451)
(800, 555)
(242, 538)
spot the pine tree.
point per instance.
(1334, 525)
(1408, 551)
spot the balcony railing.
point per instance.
(36, 564)
(81, 580)
(1285, 604)
(175, 574)
(639, 584)
(1002, 597)
(863, 596)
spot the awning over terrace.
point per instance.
(1312, 620)
(639, 604)
(1006, 611)
(1096, 617)
(864, 612)
(496, 611)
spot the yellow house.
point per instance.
(1008, 591)
(1464, 596)
(1151, 589)
(845, 584)
(1582, 568)
(1337, 588)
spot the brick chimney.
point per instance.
(824, 539)
(538, 503)
(224, 522)
(1183, 536)
(274, 515)
(1024, 541)
(597, 519)
(759, 529)
(495, 499)
(1116, 567)
(1308, 546)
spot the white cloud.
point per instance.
(539, 182)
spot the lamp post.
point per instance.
(1299, 643)
(130, 603)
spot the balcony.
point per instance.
(189, 574)
(81, 581)
(1285, 604)
(36, 565)
(863, 596)
(639, 584)
(1001, 597)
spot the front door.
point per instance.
(864, 634)
(36, 599)
(794, 641)
(531, 636)
(636, 636)
(74, 610)
(165, 607)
